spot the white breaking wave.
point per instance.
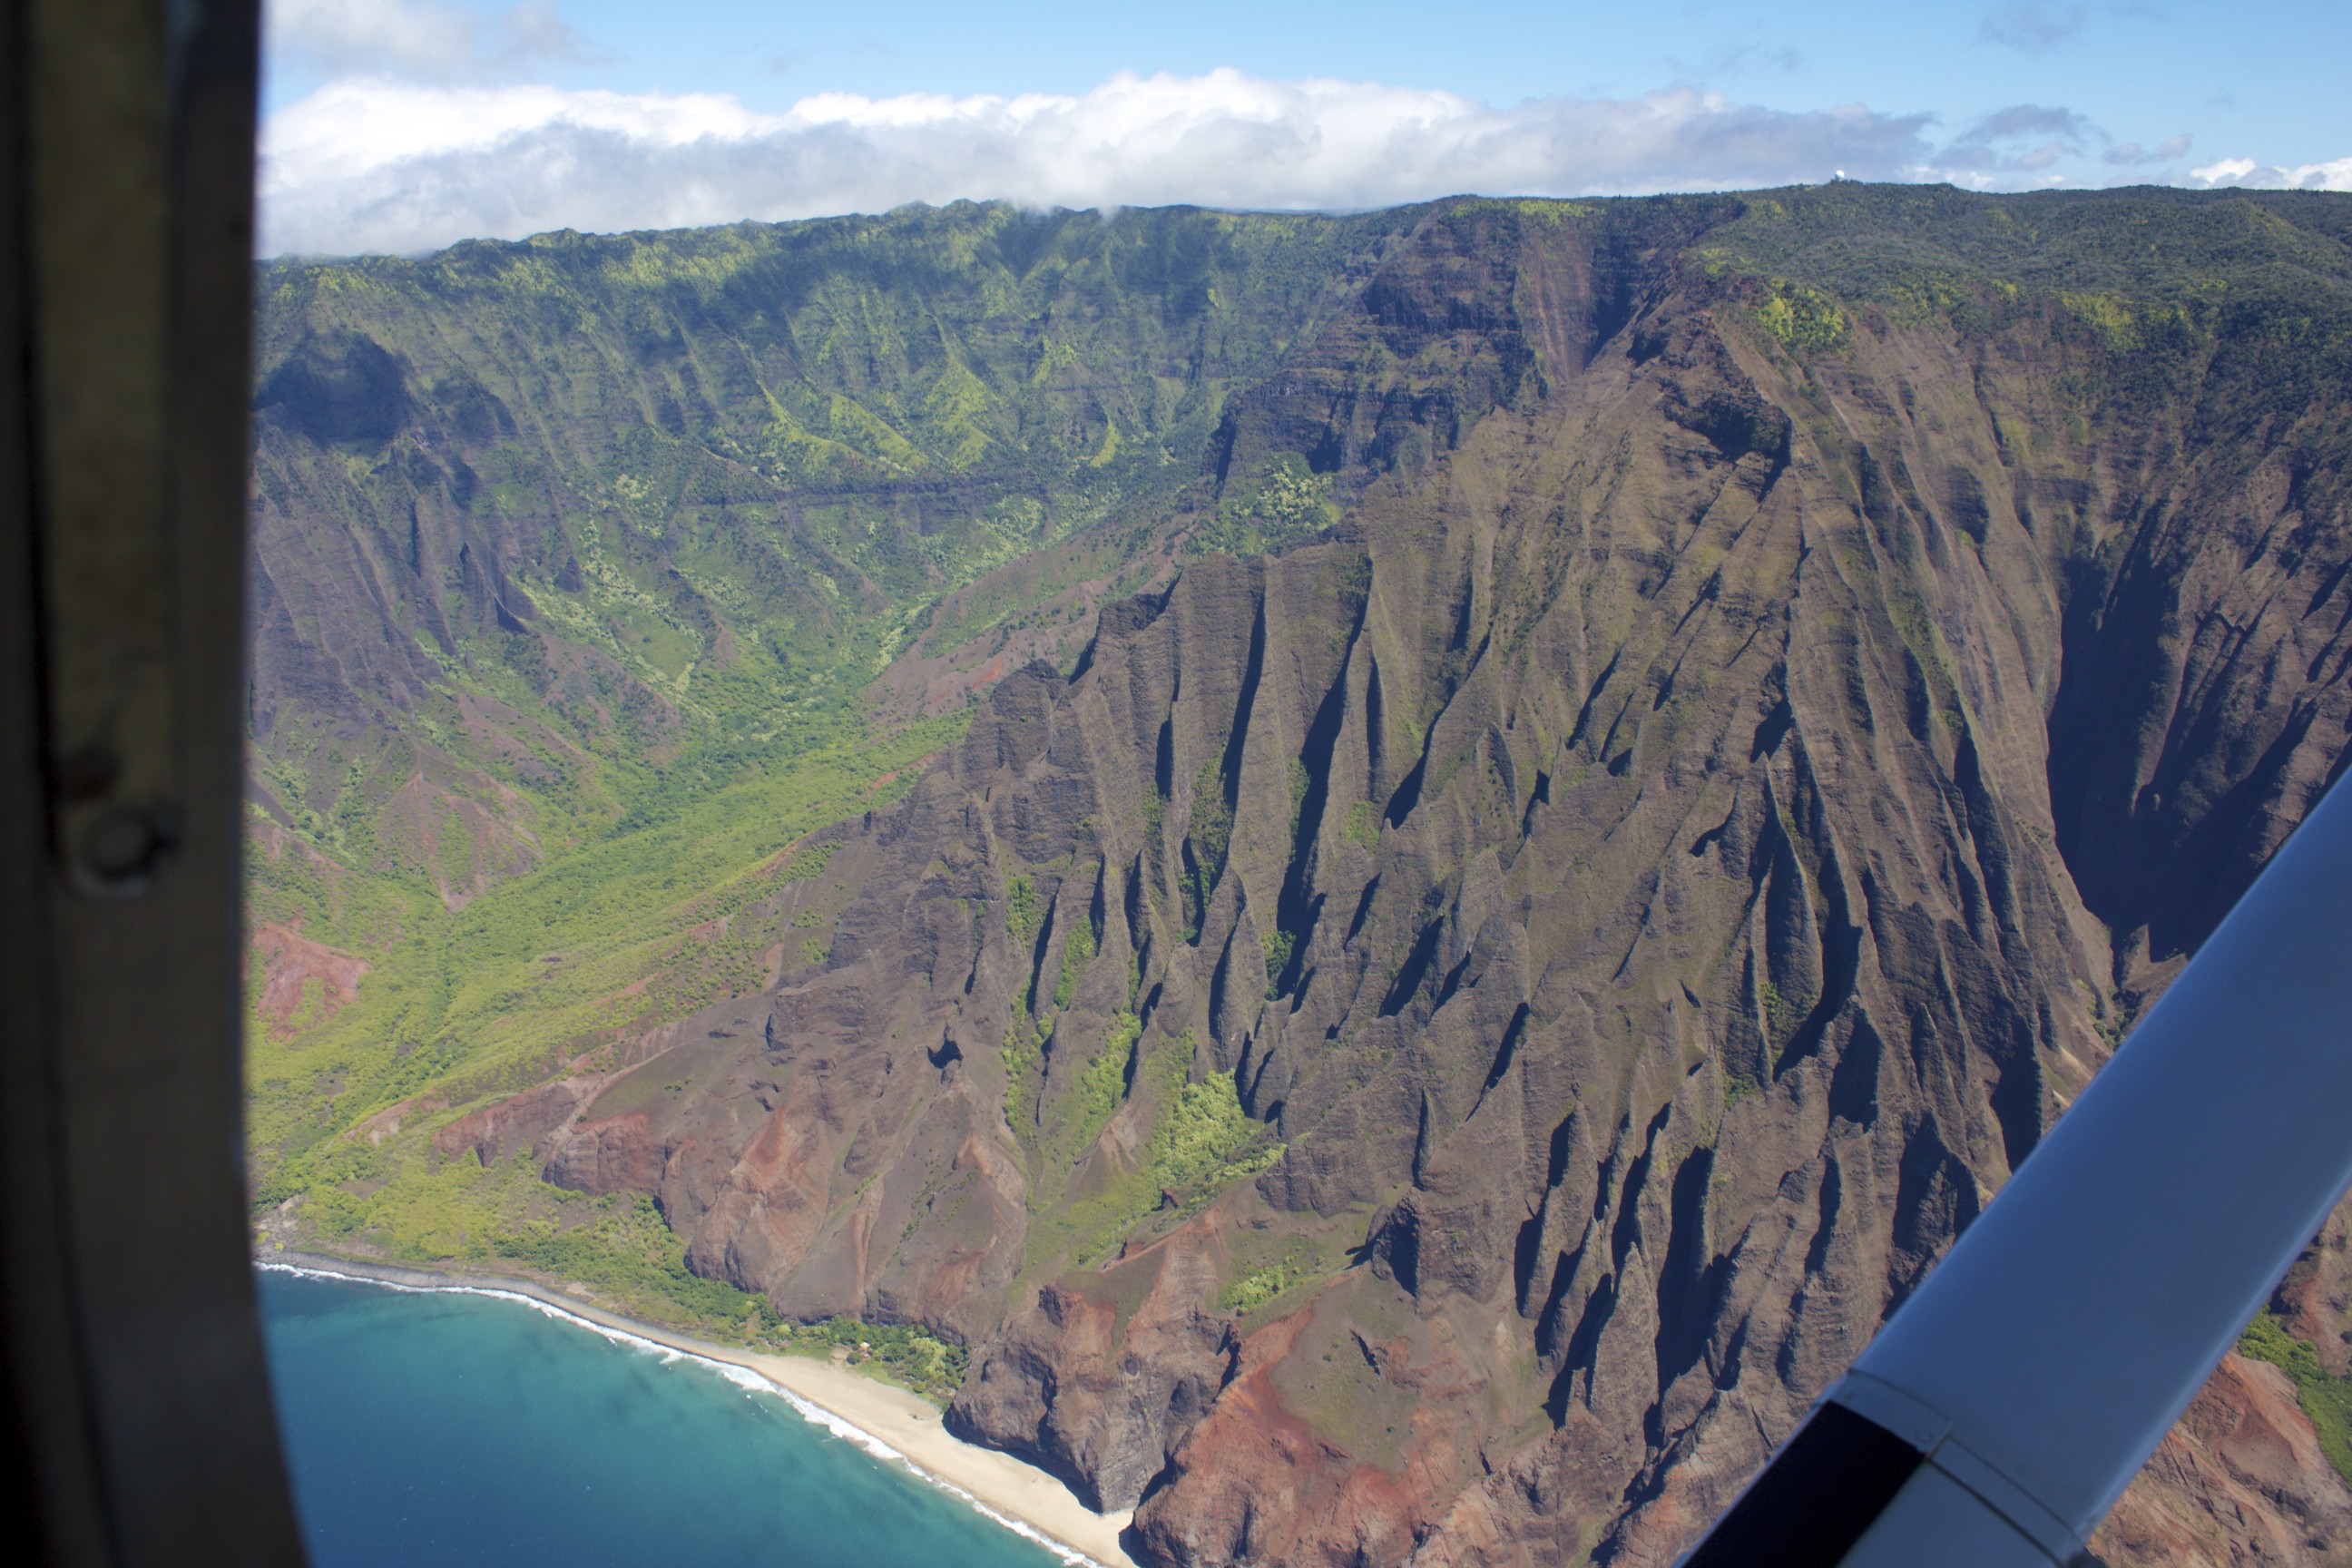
(377, 164)
(746, 1378)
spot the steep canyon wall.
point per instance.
(1432, 1043)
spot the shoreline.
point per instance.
(889, 1422)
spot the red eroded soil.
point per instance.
(2239, 1482)
(290, 962)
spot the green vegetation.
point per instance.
(808, 862)
(643, 503)
(1270, 1268)
(1201, 1143)
(1103, 1081)
(1068, 1127)
(895, 1353)
(1363, 826)
(1783, 1015)
(1281, 503)
(653, 508)
(1204, 1142)
(1025, 1055)
(1022, 911)
(624, 934)
(2325, 1397)
(1803, 317)
(1277, 945)
(464, 1214)
(1078, 951)
(1209, 838)
(466, 1006)
(2152, 283)
(1250, 1292)
(1298, 1264)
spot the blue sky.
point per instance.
(405, 123)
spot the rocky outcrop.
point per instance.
(2239, 1482)
(2315, 1300)
(301, 980)
(497, 1130)
(1099, 1379)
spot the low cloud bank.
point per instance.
(373, 164)
(379, 165)
(2336, 175)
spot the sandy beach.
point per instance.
(904, 1423)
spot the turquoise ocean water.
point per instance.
(425, 1428)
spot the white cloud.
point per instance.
(2026, 139)
(2131, 154)
(378, 164)
(2031, 28)
(2038, 146)
(2336, 175)
(425, 37)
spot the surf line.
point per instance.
(750, 1379)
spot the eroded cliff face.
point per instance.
(2240, 1480)
(1435, 1045)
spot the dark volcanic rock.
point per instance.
(1102, 1384)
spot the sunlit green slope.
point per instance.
(575, 562)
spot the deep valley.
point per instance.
(1379, 882)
